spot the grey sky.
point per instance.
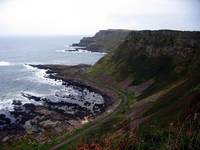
(62, 17)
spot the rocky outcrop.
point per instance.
(104, 40)
(62, 111)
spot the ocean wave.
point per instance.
(5, 63)
(86, 51)
(7, 103)
(60, 51)
(41, 76)
(78, 51)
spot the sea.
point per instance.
(17, 76)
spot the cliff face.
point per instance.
(162, 70)
(104, 40)
(148, 62)
(149, 54)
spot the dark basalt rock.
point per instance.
(87, 104)
(29, 107)
(33, 119)
(98, 108)
(55, 110)
(17, 102)
(31, 97)
(4, 120)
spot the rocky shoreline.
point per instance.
(58, 113)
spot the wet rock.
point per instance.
(29, 107)
(60, 112)
(5, 139)
(49, 124)
(30, 128)
(17, 102)
(87, 103)
(43, 111)
(4, 120)
(31, 97)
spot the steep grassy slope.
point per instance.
(146, 54)
(160, 55)
(168, 108)
(165, 56)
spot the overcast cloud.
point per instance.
(75, 17)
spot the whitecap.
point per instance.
(86, 51)
(41, 76)
(60, 51)
(7, 106)
(5, 63)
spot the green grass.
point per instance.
(108, 127)
(155, 138)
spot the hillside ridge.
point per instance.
(104, 40)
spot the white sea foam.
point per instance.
(41, 76)
(5, 63)
(60, 51)
(86, 51)
(79, 51)
(6, 104)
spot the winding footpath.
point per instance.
(100, 120)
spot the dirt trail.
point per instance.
(116, 108)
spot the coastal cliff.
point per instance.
(104, 40)
(148, 54)
(159, 71)
(153, 78)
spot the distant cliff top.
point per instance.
(104, 40)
